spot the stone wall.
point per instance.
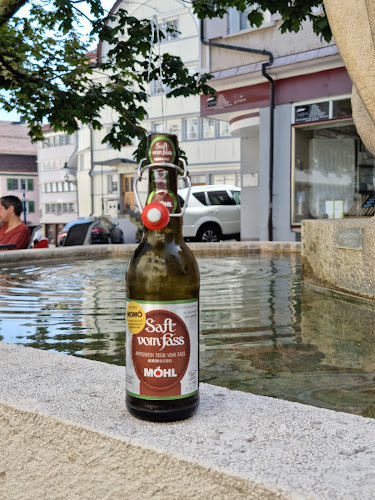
(340, 255)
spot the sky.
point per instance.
(14, 116)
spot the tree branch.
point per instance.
(8, 8)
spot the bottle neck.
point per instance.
(162, 187)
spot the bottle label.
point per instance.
(161, 349)
(161, 193)
(162, 149)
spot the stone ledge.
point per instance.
(126, 251)
(65, 433)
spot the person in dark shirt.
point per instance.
(13, 230)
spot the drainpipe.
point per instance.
(272, 110)
(91, 171)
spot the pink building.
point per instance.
(18, 168)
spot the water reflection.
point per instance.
(261, 332)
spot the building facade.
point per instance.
(106, 177)
(18, 169)
(301, 156)
(57, 168)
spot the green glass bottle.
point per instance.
(162, 294)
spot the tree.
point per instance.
(45, 72)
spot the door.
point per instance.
(128, 192)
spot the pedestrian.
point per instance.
(13, 230)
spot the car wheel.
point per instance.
(209, 233)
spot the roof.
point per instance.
(115, 161)
(15, 139)
(18, 163)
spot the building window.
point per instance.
(112, 184)
(191, 129)
(60, 187)
(238, 21)
(31, 207)
(12, 184)
(157, 127)
(30, 184)
(157, 87)
(71, 207)
(54, 187)
(56, 140)
(223, 129)
(169, 28)
(72, 186)
(208, 128)
(198, 180)
(205, 128)
(233, 179)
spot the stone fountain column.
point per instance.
(340, 254)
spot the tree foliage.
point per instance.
(45, 73)
(293, 13)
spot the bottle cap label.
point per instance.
(162, 150)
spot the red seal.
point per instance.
(155, 216)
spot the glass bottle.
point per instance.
(162, 294)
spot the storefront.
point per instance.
(332, 172)
(320, 167)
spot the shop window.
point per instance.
(333, 174)
(341, 108)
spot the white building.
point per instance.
(106, 177)
(57, 166)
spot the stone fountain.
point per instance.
(340, 254)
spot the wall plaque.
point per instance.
(349, 237)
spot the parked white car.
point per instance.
(213, 213)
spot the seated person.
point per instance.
(13, 230)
